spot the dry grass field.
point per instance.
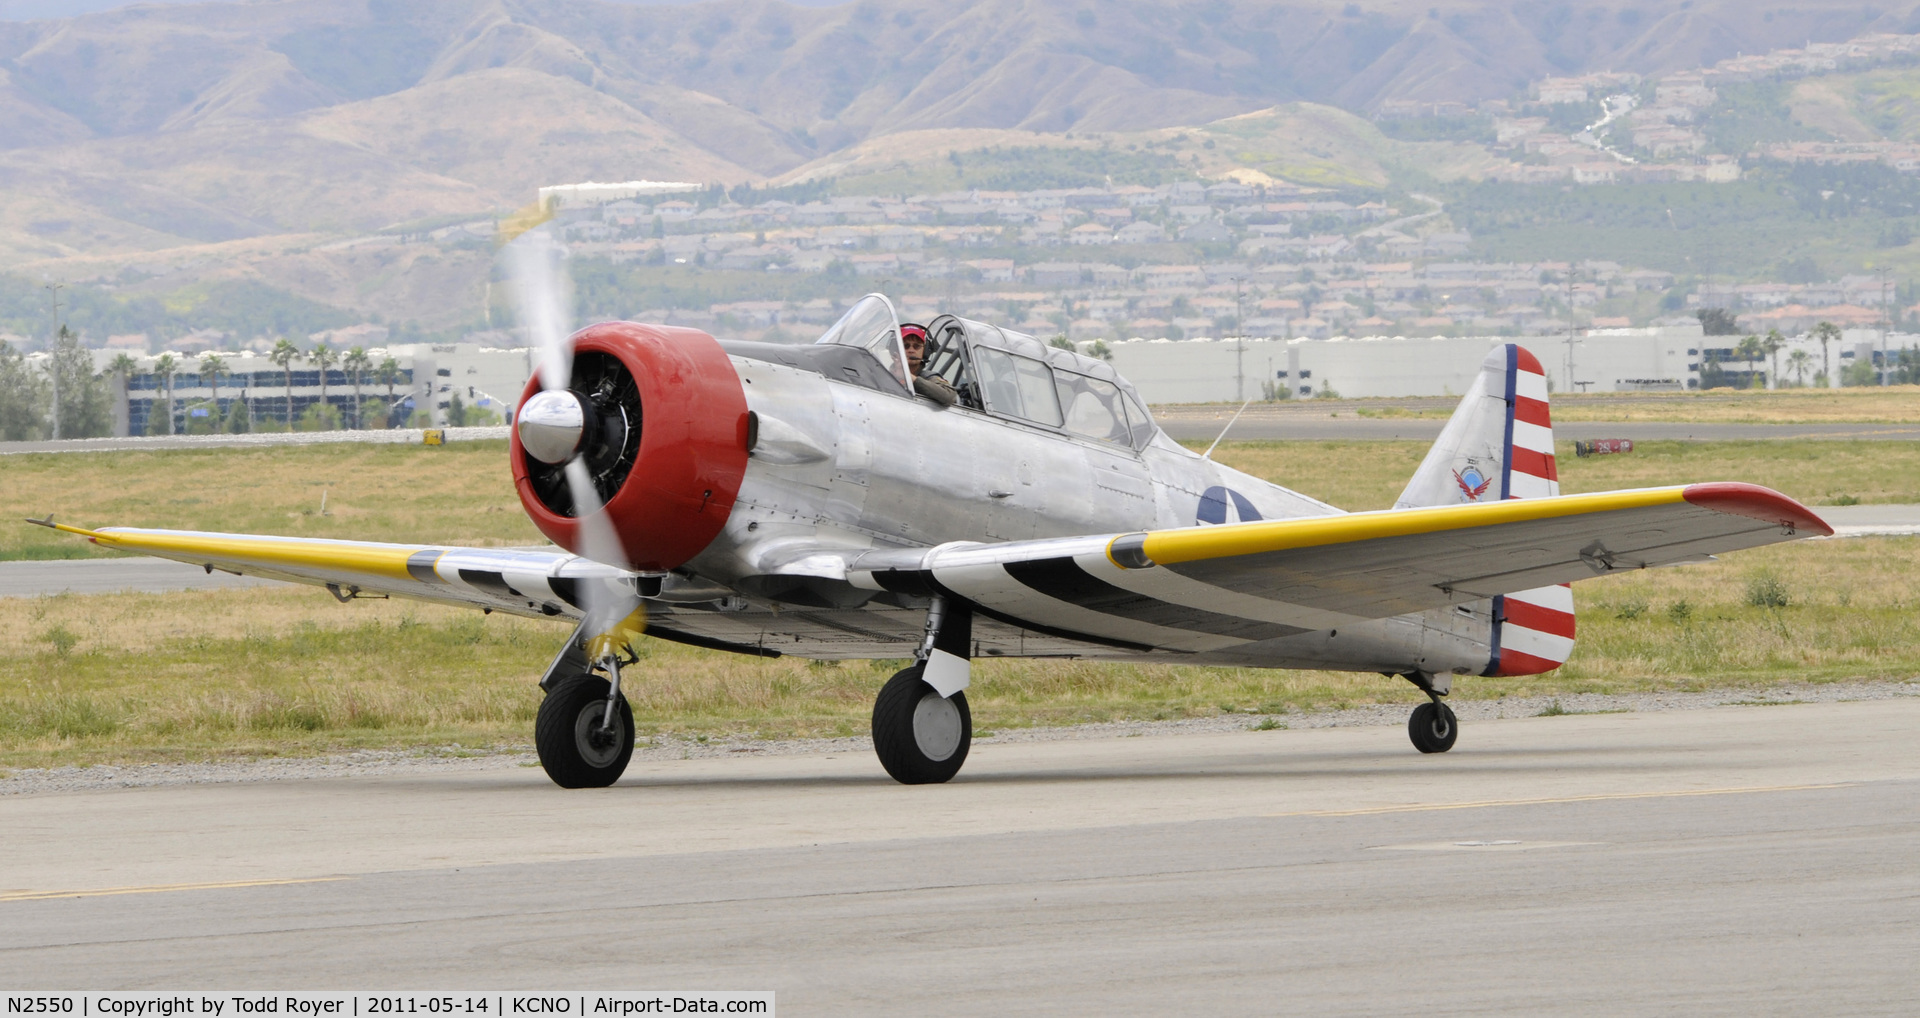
(1370, 475)
(453, 494)
(1894, 404)
(129, 677)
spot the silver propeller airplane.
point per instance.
(995, 497)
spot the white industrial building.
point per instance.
(1165, 371)
(1601, 360)
(490, 378)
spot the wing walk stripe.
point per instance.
(1034, 627)
(1062, 578)
(491, 582)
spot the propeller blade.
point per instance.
(536, 266)
(606, 605)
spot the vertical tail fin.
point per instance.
(1499, 445)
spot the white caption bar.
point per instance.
(252, 1004)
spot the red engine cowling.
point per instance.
(690, 455)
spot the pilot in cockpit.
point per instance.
(933, 387)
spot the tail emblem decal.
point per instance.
(1472, 483)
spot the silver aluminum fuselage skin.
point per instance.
(840, 469)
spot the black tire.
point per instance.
(908, 750)
(573, 749)
(1433, 728)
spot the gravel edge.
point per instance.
(370, 763)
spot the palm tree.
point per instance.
(357, 362)
(1826, 332)
(126, 367)
(1798, 360)
(284, 354)
(323, 357)
(212, 366)
(164, 369)
(1772, 345)
(388, 372)
(1750, 351)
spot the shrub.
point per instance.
(1767, 592)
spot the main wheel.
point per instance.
(576, 750)
(920, 736)
(1433, 728)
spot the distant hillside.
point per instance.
(154, 126)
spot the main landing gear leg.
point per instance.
(922, 728)
(584, 731)
(1432, 726)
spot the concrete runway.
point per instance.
(1738, 860)
(258, 439)
(112, 575)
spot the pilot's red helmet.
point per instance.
(911, 331)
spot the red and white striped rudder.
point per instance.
(1532, 629)
(1499, 445)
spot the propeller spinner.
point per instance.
(552, 424)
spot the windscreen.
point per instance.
(872, 325)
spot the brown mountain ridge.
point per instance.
(149, 127)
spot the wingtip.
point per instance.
(1757, 502)
(48, 523)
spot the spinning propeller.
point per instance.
(582, 426)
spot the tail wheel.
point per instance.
(1433, 728)
(920, 736)
(576, 747)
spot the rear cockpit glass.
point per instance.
(872, 325)
(1094, 409)
(1017, 386)
(1139, 423)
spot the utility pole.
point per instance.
(1572, 386)
(1886, 326)
(1239, 340)
(53, 353)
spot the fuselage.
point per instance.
(748, 479)
(841, 467)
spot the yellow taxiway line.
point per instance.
(101, 892)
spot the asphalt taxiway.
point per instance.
(1736, 860)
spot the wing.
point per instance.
(546, 582)
(1200, 589)
(524, 581)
